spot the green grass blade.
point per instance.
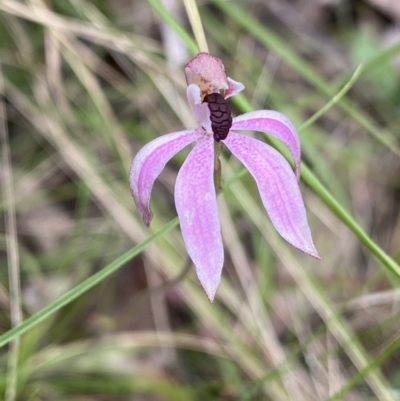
(175, 25)
(280, 47)
(83, 286)
(373, 364)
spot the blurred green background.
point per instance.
(85, 84)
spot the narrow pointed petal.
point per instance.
(234, 88)
(278, 188)
(200, 109)
(274, 123)
(150, 161)
(196, 204)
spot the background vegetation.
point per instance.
(109, 311)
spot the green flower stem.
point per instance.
(217, 167)
(197, 27)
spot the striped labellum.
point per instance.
(220, 115)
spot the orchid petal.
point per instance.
(149, 163)
(278, 188)
(234, 88)
(274, 123)
(196, 204)
(200, 109)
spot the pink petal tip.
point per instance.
(196, 204)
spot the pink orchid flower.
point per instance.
(195, 195)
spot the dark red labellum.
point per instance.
(220, 115)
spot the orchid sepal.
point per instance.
(234, 87)
(149, 163)
(273, 123)
(278, 189)
(196, 205)
(199, 109)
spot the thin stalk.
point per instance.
(335, 99)
(217, 167)
(12, 252)
(174, 24)
(197, 27)
(373, 364)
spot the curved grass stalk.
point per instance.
(335, 99)
(197, 26)
(83, 286)
(175, 25)
(270, 40)
(373, 364)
